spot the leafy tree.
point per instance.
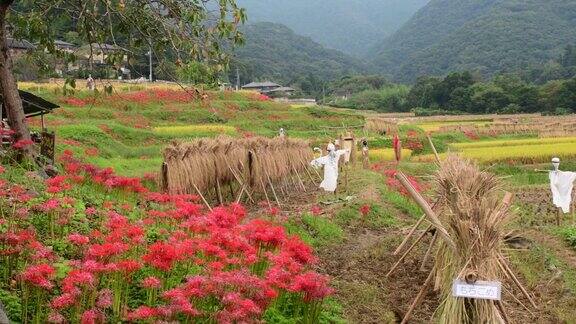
(422, 93)
(193, 29)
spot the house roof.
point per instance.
(60, 43)
(261, 85)
(20, 44)
(34, 105)
(282, 89)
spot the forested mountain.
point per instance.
(486, 36)
(274, 52)
(352, 26)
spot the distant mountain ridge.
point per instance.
(274, 52)
(351, 26)
(488, 36)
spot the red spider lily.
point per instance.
(313, 285)
(92, 316)
(56, 318)
(143, 313)
(39, 275)
(151, 282)
(64, 301)
(263, 232)
(2, 169)
(22, 144)
(316, 210)
(104, 299)
(78, 239)
(161, 255)
(365, 210)
(92, 151)
(76, 102)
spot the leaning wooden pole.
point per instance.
(427, 209)
(419, 297)
(408, 251)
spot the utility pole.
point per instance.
(150, 61)
(237, 79)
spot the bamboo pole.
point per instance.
(265, 193)
(502, 311)
(219, 192)
(408, 251)
(428, 252)
(419, 297)
(511, 275)
(273, 190)
(433, 148)
(427, 209)
(202, 196)
(414, 228)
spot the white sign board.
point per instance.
(479, 290)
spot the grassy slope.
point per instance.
(124, 135)
(129, 135)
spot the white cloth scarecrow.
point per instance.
(561, 184)
(330, 163)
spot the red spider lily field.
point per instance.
(99, 241)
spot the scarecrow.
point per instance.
(330, 163)
(561, 184)
(365, 156)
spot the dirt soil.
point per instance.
(358, 267)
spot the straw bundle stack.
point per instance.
(256, 162)
(202, 163)
(474, 216)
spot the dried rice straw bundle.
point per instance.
(474, 216)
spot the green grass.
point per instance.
(195, 130)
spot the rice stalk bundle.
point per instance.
(474, 216)
(207, 163)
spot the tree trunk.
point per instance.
(8, 86)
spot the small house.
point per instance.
(19, 47)
(261, 87)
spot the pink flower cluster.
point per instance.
(187, 264)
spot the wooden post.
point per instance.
(219, 192)
(165, 177)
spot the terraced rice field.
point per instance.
(195, 130)
(519, 151)
(378, 155)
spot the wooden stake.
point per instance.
(299, 179)
(428, 252)
(427, 209)
(418, 299)
(265, 193)
(239, 179)
(433, 148)
(273, 190)
(414, 228)
(240, 194)
(219, 192)
(510, 274)
(202, 196)
(502, 311)
(408, 251)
